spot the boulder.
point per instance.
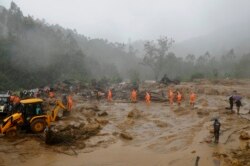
(244, 135)
(126, 135)
(103, 113)
(102, 121)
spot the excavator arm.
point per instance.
(11, 122)
(54, 112)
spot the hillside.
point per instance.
(34, 53)
(217, 43)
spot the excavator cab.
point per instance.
(34, 117)
(4, 104)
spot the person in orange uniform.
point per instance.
(110, 95)
(12, 98)
(70, 103)
(15, 100)
(171, 97)
(147, 98)
(133, 95)
(179, 98)
(192, 98)
(51, 94)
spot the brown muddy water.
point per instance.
(161, 135)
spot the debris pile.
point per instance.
(71, 133)
(244, 135)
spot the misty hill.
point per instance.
(34, 53)
(217, 43)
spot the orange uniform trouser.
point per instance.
(171, 100)
(191, 101)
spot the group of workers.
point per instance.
(172, 96)
(235, 98)
(69, 102)
(179, 98)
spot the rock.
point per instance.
(115, 133)
(135, 113)
(92, 127)
(235, 162)
(94, 108)
(244, 135)
(126, 124)
(102, 121)
(104, 113)
(81, 145)
(126, 135)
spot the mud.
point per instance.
(140, 134)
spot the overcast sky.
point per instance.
(119, 20)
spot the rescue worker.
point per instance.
(109, 95)
(70, 103)
(147, 98)
(64, 99)
(231, 103)
(179, 98)
(38, 109)
(192, 98)
(133, 95)
(15, 101)
(237, 100)
(216, 131)
(51, 94)
(98, 95)
(171, 97)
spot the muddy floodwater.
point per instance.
(158, 134)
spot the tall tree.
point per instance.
(155, 54)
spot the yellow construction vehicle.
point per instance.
(31, 116)
(10, 124)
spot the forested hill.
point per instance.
(34, 53)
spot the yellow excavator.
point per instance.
(30, 116)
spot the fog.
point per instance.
(119, 20)
(45, 42)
